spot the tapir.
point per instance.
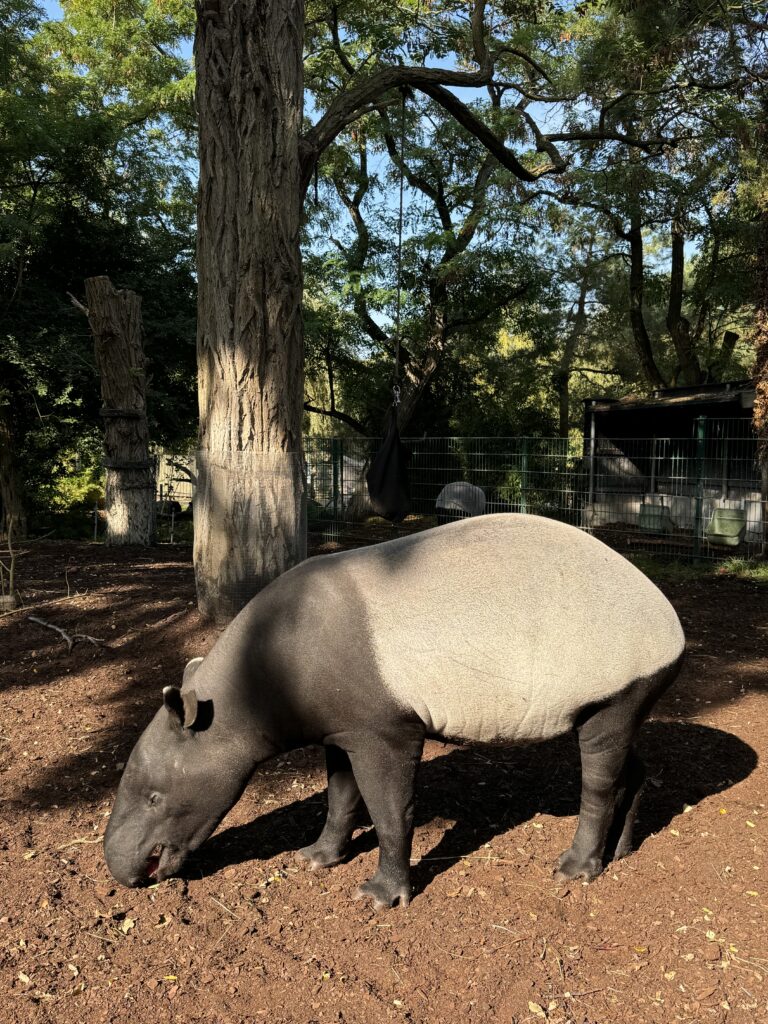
(501, 629)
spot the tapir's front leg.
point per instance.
(343, 803)
(385, 770)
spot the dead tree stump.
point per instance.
(115, 319)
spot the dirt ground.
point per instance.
(676, 932)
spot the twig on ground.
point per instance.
(223, 907)
(77, 842)
(69, 640)
(456, 956)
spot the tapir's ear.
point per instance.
(181, 704)
(190, 668)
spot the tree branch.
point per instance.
(333, 24)
(334, 414)
(469, 120)
(77, 304)
(647, 145)
(526, 57)
(347, 106)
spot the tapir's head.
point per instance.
(178, 784)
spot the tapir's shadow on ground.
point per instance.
(487, 790)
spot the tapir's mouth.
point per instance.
(153, 861)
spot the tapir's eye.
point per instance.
(153, 799)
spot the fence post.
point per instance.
(699, 512)
(591, 493)
(524, 475)
(341, 474)
(335, 463)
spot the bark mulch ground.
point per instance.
(676, 932)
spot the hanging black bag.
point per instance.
(387, 477)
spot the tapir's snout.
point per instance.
(127, 864)
(122, 869)
(121, 860)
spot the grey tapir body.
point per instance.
(508, 628)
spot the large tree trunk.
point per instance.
(115, 319)
(10, 486)
(250, 500)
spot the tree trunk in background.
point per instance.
(115, 319)
(636, 316)
(415, 380)
(250, 502)
(679, 327)
(10, 486)
(723, 356)
(562, 376)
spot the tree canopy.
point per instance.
(583, 195)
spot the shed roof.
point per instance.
(741, 393)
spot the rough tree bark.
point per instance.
(250, 501)
(115, 319)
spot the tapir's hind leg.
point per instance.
(619, 843)
(344, 800)
(603, 791)
(612, 777)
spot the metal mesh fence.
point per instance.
(175, 479)
(681, 497)
(449, 478)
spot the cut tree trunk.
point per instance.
(115, 319)
(250, 501)
(10, 486)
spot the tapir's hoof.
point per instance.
(624, 849)
(316, 857)
(570, 867)
(384, 894)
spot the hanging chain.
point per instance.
(396, 386)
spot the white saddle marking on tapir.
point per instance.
(504, 627)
